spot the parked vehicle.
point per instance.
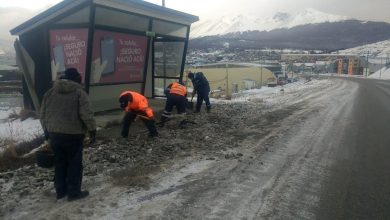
(281, 82)
(271, 82)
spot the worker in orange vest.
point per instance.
(135, 105)
(176, 96)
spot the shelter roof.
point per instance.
(131, 6)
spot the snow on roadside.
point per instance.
(20, 131)
(15, 130)
(383, 73)
(275, 95)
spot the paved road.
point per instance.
(358, 186)
(328, 159)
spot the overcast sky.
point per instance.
(374, 10)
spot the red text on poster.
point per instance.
(118, 57)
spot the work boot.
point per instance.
(81, 195)
(162, 121)
(60, 195)
(152, 135)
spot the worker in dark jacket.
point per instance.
(202, 89)
(176, 96)
(136, 105)
(66, 117)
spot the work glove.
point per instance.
(92, 136)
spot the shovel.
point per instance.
(190, 104)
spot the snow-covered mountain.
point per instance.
(379, 49)
(240, 23)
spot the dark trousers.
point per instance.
(174, 100)
(202, 95)
(68, 157)
(129, 118)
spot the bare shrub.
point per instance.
(23, 115)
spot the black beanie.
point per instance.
(72, 74)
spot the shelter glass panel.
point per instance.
(160, 85)
(168, 58)
(79, 17)
(119, 19)
(169, 29)
(118, 57)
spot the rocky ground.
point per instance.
(125, 175)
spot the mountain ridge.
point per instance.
(329, 36)
(221, 25)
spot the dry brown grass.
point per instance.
(15, 155)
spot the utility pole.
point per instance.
(163, 3)
(261, 72)
(227, 80)
(368, 53)
(380, 71)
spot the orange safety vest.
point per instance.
(178, 89)
(139, 104)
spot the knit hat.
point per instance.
(190, 75)
(72, 74)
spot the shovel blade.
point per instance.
(190, 105)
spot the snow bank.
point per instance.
(383, 73)
(20, 131)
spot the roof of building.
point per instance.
(132, 6)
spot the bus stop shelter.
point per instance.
(116, 45)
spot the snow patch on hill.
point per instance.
(221, 25)
(379, 49)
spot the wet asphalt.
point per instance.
(358, 183)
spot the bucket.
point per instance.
(45, 158)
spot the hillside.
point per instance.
(324, 36)
(232, 23)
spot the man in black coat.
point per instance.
(202, 89)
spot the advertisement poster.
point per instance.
(118, 57)
(68, 48)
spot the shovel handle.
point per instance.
(144, 117)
